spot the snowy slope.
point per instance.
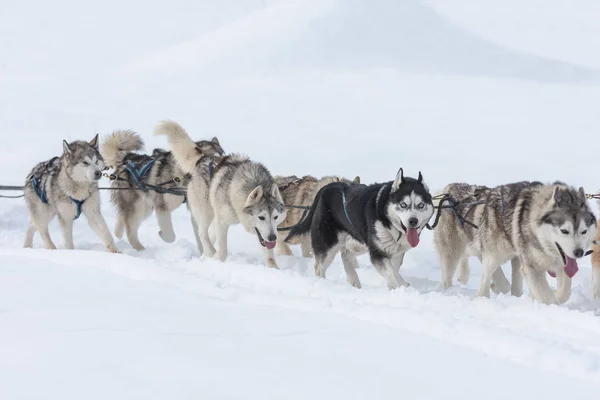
(484, 93)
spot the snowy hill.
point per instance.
(483, 92)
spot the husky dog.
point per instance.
(229, 190)
(301, 192)
(538, 227)
(136, 170)
(385, 219)
(66, 186)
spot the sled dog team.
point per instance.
(540, 228)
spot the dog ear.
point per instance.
(94, 141)
(420, 179)
(254, 196)
(356, 180)
(215, 141)
(581, 195)
(398, 181)
(557, 195)
(66, 148)
(276, 193)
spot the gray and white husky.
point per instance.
(66, 187)
(301, 192)
(384, 219)
(230, 190)
(539, 227)
(134, 170)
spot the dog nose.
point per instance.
(272, 237)
(97, 174)
(578, 253)
(413, 222)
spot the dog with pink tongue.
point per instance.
(540, 228)
(383, 219)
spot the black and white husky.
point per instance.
(66, 187)
(384, 219)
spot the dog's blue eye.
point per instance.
(564, 231)
(403, 205)
(261, 218)
(86, 163)
(584, 232)
(421, 206)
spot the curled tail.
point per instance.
(184, 149)
(116, 145)
(301, 230)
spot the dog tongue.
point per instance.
(552, 273)
(571, 267)
(270, 245)
(412, 236)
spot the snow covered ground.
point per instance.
(484, 92)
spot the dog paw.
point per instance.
(221, 257)
(354, 282)
(562, 297)
(169, 238)
(272, 264)
(113, 250)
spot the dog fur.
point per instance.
(120, 150)
(384, 219)
(538, 227)
(596, 264)
(66, 187)
(229, 190)
(301, 192)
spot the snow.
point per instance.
(486, 92)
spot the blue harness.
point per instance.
(345, 210)
(139, 175)
(40, 191)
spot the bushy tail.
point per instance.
(184, 149)
(116, 145)
(302, 229)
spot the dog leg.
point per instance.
(596, 267)
(350, 262)
(448, 261)
(119, 226)
(45, 234)
(306, 248)
(487, 272)
(91, 209)
(516, 288)
(221, 230)
(564, 283)
(596, 280)
(463, 271)
(132, 224)
(29, 236)
(283, 249)
(499, 282)
(204, 219)
(323, 261)
(66, 226)
(166, 225)
(397, 261)
(195, 229)
(387, 270)
(270, 258)
(538, 285)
